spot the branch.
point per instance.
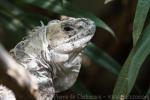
(16, 78)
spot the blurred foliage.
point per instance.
(131, 67)
(138, 54)
(140, 17)
(102, 58)
(19, 16)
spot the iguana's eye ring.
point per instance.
(67, 28)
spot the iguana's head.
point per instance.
(69, 30)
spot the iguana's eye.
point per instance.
(67, 28)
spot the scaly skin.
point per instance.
(52, 53)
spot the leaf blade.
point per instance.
(68, 9)
(102, 58)
(140, 17)
(131, 67)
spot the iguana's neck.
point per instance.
(37, 42)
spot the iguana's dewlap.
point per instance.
(52, 53)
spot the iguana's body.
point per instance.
(52, 53)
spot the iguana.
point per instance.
(52, 53)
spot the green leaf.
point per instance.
(11, 22)
(107, 1)
(102, 58)
(7, 14)
(65, 8)
(16, 22)
(24, 19)
(14, 30)
(140, 17)
(131, 67)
